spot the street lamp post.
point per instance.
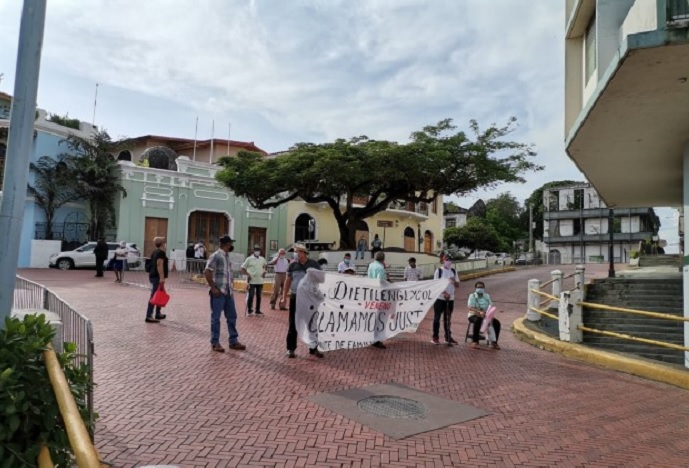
(611, 257)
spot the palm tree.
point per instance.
(96, 177)
(53, 187)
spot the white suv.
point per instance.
(83, 257)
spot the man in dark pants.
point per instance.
(157, 276)
(295, 273)
(445, 304)
(101, 253)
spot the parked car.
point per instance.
(503, 258)
(487, 254)
(83, 256)
(522, 260)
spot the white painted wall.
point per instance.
(41, 250)
(643, 16)
(566, 227)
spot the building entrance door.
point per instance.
(257, 237)
(154, 227)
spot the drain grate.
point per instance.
(393, 407)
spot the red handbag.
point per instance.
(160, 297)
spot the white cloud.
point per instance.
(307, 70)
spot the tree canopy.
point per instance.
(437, 160)
(504, 214)
(476, 234)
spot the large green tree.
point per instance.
(504, 214)
(536, 201)
(476, 234)
(96, 177)
(437, 160)
(53, 187)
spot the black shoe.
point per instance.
(315, 352)
(152, 320)
(258, 312)
(291, 354)
(161, 316)
(379, 344)
(249, 312)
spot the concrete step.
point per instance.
(664, 307)
(634, 327)
(655, 353)
(673, 338)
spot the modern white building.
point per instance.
(627, 102)
(454, 216)
(576, 226)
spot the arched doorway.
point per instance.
(125, 155)
(207, 227)
(428, 242)
(554, 257)
(409, 240)
(361, 230)
(301, 228)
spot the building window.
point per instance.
(579, 199)
(590, 49)
(553, 201)
(577, 226)
(617, 225)
(451, 222)
(554, 228)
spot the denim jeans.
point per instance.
(360, 250)
(155, 281)
(442, 308)
(256, 289)
(223, 303)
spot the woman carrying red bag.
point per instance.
(157, 275)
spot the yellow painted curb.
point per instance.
(650, 370)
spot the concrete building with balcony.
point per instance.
(454, 216)
(576, 226)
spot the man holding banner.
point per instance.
(445, 304)
(295, 274)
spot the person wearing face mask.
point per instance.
(344, 264)
(279, 265)
(218, 274)
(445, 304)
(254, 267)
(478, 303)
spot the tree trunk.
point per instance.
(346, 237)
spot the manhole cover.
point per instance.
(393, 407)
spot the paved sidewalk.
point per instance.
(165, 398)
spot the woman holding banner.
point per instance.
(481, 309)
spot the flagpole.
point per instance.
(212, 133)
(229, 132)
(95, 101)
(196, 132)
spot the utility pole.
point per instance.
(19, 145)
(530, 227)
(611, 253)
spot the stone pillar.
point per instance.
(580, 280)
(556, 286)
(533, 300)
(685, 249)
(570, 316)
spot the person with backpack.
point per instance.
(157, 269)
(445, 304)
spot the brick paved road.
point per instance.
(165, 398)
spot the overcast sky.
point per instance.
(282, 72)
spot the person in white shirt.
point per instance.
(445, 303)
(254, 267)
(344, 264)
(199, 251)
(411, 272)
(279, 264)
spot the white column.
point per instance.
(556, 287)
(533, 301)
(570, 316)
(685, 258)
(580, 280)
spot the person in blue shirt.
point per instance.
(376, 270)
(479, 302)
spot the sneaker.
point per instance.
(379, 345)
(435, 341)
(152, 320)
(249, 312)
(291, 354)
(272, 306)
(315, 352)
(258, 312)
(161, 316)
(218, 347)
(451, 342)
(238, 346)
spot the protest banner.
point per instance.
(345, 312)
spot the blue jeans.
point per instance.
(358, 250)
(155, 281)
(223, 303)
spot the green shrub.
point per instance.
(634, 254)
(65, 121)
(28, 407)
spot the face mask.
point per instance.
(346, 260)
(447, 265)
(257, 253)
(281, 256)
(295, 255)
(413, 265)
(231, 248)
(479, 290)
